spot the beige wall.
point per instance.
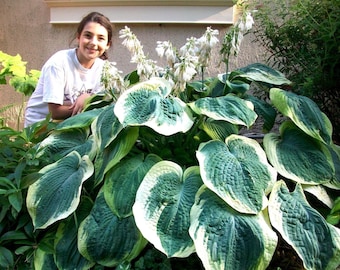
(25, 30)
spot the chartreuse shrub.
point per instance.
(13, 72)
(176, 170)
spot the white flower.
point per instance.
(237, 33)
(111, 78)
(130, 41)
(201, 47)
(190, 47)
(182, 66)
(185, 70)
(209, 38)
(205, 45)
(166, 48)
(146, 68)
(236, 42)
(246, 23)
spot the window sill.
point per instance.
(150, 11)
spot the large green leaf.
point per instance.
(304, 113)
(60, 143)
(262, 73)
(107, 239)
(67, 256)
(237, 87)
(218, 129)
(265, 110)
(162, 207)
(237, 171)
(43, 260)
(114, 152)
(227, 108)
(122, 181)
(56, 194)
(80, 120)
(335, 153)
(334, 216)
(297, 156)
(149, 104)
(227, 239)
(6, 258)
(320, 193)
(106, 127)
(316, 242)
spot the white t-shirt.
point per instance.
(62, 78)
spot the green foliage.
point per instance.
(18, 169)
(13, 72)
(175, 175)
(301, 39)
(334, 215)
(128, 182)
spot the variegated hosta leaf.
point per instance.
(265, 110)
(217, 129)
(106, 239)
(97, 101)
(43, 260)
(320, 193)
(56, 194)
(80, 120)
(304, 113)
(297, 156)
(106, 127)
(114, 152)
(227, 108)
(122, 181)
(66, 254)
(162, 207)
(262, 73)
(316, 242)
(335, 153)
(227, 239)
(147, 103)
(237, 86)
(237, 171)
(60, 143)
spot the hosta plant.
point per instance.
(166, 162)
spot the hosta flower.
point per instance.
(185, 71)
(165, 48)
(205, 45)
(233, 39)
(111, 78)
(236, 42)
(182, 66)
(146, 68)
(190, 47)
(209, 39)
(246, 23)
(130, 41)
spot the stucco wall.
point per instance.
(25, 30)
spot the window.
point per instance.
(144, 11)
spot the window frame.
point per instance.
(145, 11)
(65, 3)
